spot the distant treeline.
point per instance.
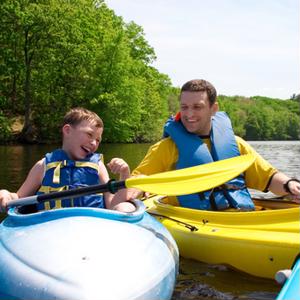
(60, 54)
(261, 118)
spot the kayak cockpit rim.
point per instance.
(261, 204)
(15, 213)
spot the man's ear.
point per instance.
(215, 107)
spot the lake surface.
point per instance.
(196, 280)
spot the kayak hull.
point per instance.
(86, 253)
(259, 242)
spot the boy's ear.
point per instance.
(66, 129)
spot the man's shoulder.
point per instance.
(164, 147)
(241, 141)
(165, 142)
(243, 145)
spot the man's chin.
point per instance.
(191, 130)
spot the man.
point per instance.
(200, 134)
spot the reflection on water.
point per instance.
(196, 280)
(201, 281)
(16, 161)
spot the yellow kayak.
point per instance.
(259, 243)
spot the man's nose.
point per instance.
(189, 112)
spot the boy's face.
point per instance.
(81, 140)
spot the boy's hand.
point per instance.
(119, 166)
(5, 197)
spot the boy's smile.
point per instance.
(81, 140)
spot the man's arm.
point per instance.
(264, 177)
(281, 185)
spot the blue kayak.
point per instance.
(86, 253)
(291, 288)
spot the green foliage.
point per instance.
(262, 118)
(58, 54)
(63, 54)
(295, 97)
(5, 131)
(173, 100)
(154, 109)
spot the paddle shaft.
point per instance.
(112, 186)
(177, 182)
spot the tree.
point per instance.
(295, 97)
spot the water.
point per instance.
(196, 280)
(284, 155)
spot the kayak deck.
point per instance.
(85, 253)
(258, 242)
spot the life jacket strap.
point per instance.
(212, 200)
(64, 163)
(49, 189)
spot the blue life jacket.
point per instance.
(62, 173)
(193, 151)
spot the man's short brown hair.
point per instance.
(201, 85)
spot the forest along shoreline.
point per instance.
(64, 54)
(254, 119)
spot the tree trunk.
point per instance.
(27, 135)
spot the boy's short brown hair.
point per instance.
(78, 114)
(201, 85)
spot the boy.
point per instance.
(75, 165)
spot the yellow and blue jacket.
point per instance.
(62, 173)
(194, 151)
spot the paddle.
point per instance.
(178, 182)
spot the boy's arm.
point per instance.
(28, 188)
(104, 178)
(33, 181)
(119, 166)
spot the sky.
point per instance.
(243, 47)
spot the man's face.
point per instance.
(196, 112)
